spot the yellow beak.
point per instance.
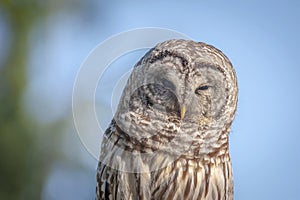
(182, 111)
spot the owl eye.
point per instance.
(149, 103)
(201, 88)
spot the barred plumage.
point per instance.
(169, 136)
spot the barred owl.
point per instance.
(169, 136)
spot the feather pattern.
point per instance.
(153, 150)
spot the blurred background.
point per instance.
(43, 43)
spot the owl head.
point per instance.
(180, 87)
(192, 81)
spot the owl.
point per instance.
(169, 136)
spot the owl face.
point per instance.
(179, 87)
(199, 96)
(195, 94)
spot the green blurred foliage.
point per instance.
(23, 164)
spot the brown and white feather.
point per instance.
(150, 151)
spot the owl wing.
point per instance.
(107, 177)
(106, 183)
(112, 183)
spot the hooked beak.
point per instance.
(182, 111)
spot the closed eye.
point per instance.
(201, 88)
